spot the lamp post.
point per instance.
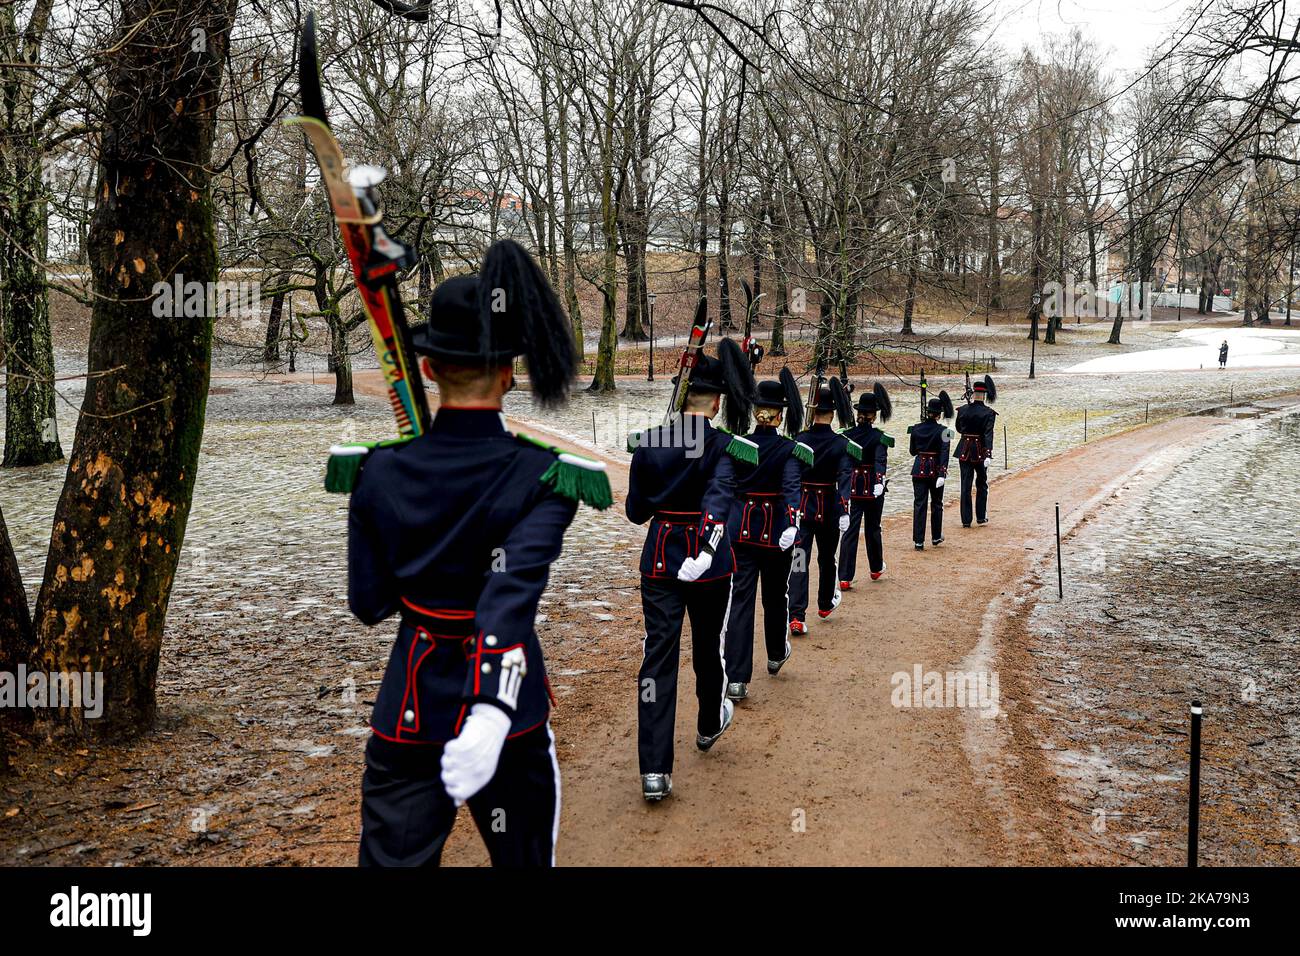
(650, 374)
(1033, 343)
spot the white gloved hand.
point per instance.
(938, 482)
(470, 760)
(877, 490)
(844, 523)
(787, 539)
(692, 568)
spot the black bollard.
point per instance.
(1060, 578)
(1194, 787)
(1085, 426)
(1006, 460)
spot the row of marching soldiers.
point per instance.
(452, 534)
(736, 515)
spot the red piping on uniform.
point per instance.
(446, 614)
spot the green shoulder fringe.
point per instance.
(886, 440)
(573, 476)
(633, 440)
(803, 453)
(345, 461)
(855, 450)
(742, 449)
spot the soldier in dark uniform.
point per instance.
(867, 486)
(683, 483)
(929, 443)
(455, 532)
(976, 424)
(824, 504)
(763, 527)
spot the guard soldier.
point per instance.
(824, 504)
(455, 531)
(976, 426)
(763, 528)
(867, 486)
(683, 483)
(929, 443)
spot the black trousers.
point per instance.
(769, 567)
(665, 603)
(826, 536)
(977, 473)
(863, 513)
(406, 813)
(925, 493)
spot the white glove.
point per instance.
(692, 568)
(938, 482)
(877, 490)
(787, 539)
(844, 523)
(470, 760)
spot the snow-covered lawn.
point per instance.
(1247, 348)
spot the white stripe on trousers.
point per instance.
(555, 766)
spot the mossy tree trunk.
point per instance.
(121, 519)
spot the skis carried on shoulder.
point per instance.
(376, 261)
(690, 355)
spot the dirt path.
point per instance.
(819, 767)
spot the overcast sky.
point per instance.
(1131, 28)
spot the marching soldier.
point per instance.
(455, 531)
(763, 528)
(929, 443)
(976, 423)
(824, 504)
(867, 486)
(683, 483)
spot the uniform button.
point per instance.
(745, 534)
(486, 668)
(490, 640)
(659, 564)
(409, 716)
(764, 537)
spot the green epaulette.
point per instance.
(855, 450)
(742, 449)
(803, 452)
(633, 441)
(345, 461)
(573, 476)
(886, 440)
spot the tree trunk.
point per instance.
(17, 637)
(909, 303)
(121, 519)
(31, 434)
(271, 350)
(607, 350)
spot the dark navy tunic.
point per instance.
(826, 483)
(975, 424)
(931, 450)
(683, 482)
(455, 531)
(874, 466)
(767, 494)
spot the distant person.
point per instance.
(1223, 354)
(930, 445)
(976, 423)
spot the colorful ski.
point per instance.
(376, 258)
(690, 355)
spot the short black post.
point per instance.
(1194, 787)
(1005, 456)
(1146, 416)
(1085, 425)
(1060, 578)
(593, 428)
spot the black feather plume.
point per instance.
(511, 282)
(843, 405)
(749, 295)
(946, 402)
(794, 403)
(884, 407)
(739, 379)
(990, 389)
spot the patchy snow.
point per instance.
(1257, 347)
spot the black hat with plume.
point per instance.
(876, 400)
(729, 375)
(835, 398)
(986, 388)
(506, 309)
(941, 406)
(784, 394)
